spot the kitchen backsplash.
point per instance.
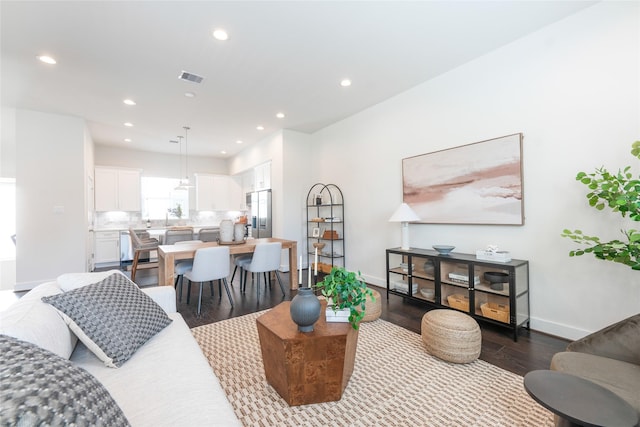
(124, 220)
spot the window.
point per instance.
(159, 195)
(7, 218)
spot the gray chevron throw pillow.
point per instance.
(113, 317)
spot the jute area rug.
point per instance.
(394, 383)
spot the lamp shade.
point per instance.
(404, 214)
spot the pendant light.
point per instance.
(179, 142)
(185, 183)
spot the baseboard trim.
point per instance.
(537, 324)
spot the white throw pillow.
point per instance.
(70, 281)
(29, 319)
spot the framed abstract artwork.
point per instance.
(479, 183)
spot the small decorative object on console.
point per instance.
(493, 254)
(497, 279)
(463, 278)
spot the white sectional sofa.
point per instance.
(166, 382)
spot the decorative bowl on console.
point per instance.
(443, 249)
(496, 279)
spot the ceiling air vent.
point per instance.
(190, 77)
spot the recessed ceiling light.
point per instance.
(260, 127)
(129, 102)
(190, 94)
(220, 34)
(345, 83)
(129, 125)
(238, 142)
(223, 152)
(280, 115)
(47, 59)
(127, 140)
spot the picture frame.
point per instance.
(478, 183)
(315, 232)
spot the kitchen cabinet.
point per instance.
(107, 248)
(262, 176)
(117, 189)
(443, 281)
(217, 193)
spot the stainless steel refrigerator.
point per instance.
(259, 206)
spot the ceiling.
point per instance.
(284, 57)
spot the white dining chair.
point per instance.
(181, 267)
(209, 264)
(265, 259)
(238, 262)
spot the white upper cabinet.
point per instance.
(217, 193)
(262, 176)
(117, 189)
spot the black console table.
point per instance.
(428, 277)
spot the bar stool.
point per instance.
(209, 234)
(174, 235)
(141, 244)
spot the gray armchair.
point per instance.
(609, 357)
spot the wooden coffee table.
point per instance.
(577, 401)
(309, 367)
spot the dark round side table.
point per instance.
(578, 402)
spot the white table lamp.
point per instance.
(404, 214)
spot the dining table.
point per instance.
(169, 254)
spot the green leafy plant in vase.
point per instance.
(177, 211)
(621, 193)
(346, 290)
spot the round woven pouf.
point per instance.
(451, 335)
(372, 309)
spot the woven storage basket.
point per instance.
(459, 301)
(492, 310)
(372, 309)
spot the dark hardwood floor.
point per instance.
(533, 350)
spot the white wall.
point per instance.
(157, 164)
(289, 154)
(296, 181)
(573, 90)
(7, 170)
(50, 175)
(8, 143)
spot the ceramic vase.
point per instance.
(226, 230)
(238, 232)
(305, 309)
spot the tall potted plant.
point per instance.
(346, 290)
(621, 193)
